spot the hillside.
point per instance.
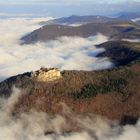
(112, 29)
(135, 17)
(78, 20)
(129, 15)
(120, 52)
(112, 93)
(52, 32)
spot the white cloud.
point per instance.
(136, 19)
(71, 2)
(22, 15)
(131, 40)
(68, 53)
(15, 15)
(33, 125)
(65, 53)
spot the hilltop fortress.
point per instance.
(46, 75)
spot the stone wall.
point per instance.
(47, 75)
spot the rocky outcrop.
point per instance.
(46, 75)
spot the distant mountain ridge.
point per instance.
(129, 15)
(74, 19)
(114, 29)
(52, 32)
(135, 17)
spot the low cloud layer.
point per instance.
(33, 125)
(132, 40)
(65, 52)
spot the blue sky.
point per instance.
(58, 8)
(63, 1)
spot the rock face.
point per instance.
(46, 75)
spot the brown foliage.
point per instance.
(114, 103)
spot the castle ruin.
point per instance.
(46, 75)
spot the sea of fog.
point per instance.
(72, 53)
(69, 53)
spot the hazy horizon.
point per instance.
(43, 8)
